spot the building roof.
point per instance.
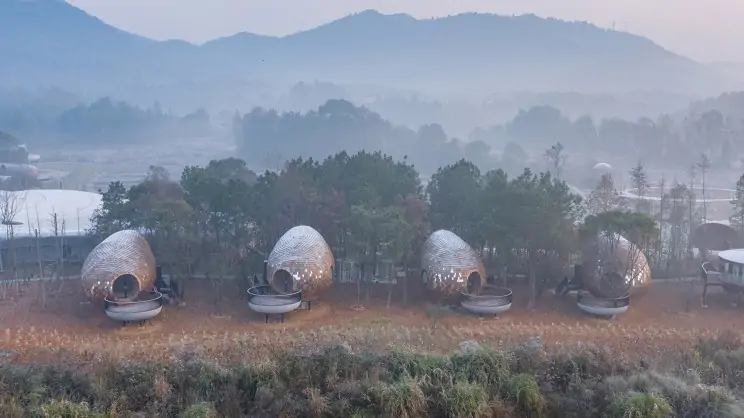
(735, 256)
(602, 166)
(37, 208)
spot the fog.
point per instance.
(496, 90)
(697, 29)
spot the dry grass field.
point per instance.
(71, 329)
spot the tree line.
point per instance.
(102, 122)
(675, 141)
(266, 137)
(370, 208)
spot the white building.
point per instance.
(34, 211)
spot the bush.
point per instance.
(640, 405)
(67, 409)
(199, 410)
(404, 399)
(687, 400)
(465, 399)
(525, 393)
(338, 382)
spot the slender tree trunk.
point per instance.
(359, 284)
(405, 285)
(532, 280)
(390, 292)
(705, 204)
(217, 288)
(42, 291)
(371, 282)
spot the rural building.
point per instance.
(35, 213)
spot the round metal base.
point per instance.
(604, 307)
(262, 299)
(493, 301)
(135, 310)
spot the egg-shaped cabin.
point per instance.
(300, 261)
(119, 268)
(614, 267)
(450, 266)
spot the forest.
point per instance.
(266, 138)
(61, 119)
(370, 208)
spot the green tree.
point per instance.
(637, 227)
(542, 216)
(496, 215)
(455, 194)
(115, 212)
(396, 234)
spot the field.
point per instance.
(666, 357)
(666, 318)
(91, 170)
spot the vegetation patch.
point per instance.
(338, 381)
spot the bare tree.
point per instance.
(678, 224)
(10, 205)
(704, 164)
(42, 277)
(58, 230)
(639, 180)
(663, 200)
(223, 263)
(42, 294)
(273, 160)
(604, 197)
(158, 173)
(618, 243)
(556, 159)
(627, 256)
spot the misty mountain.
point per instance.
(49, 42)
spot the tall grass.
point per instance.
(337, 381)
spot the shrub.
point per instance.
(640, 405)
(687, 400)
(338, 382)
(525, 392)
(465, 400)
(403, 399)
(67, 409)
(199, 410)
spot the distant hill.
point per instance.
(53, 43)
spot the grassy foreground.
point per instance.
(338, 381)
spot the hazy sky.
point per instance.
(706, 30)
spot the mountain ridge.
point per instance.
(65, 45)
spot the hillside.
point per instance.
(51, 42)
